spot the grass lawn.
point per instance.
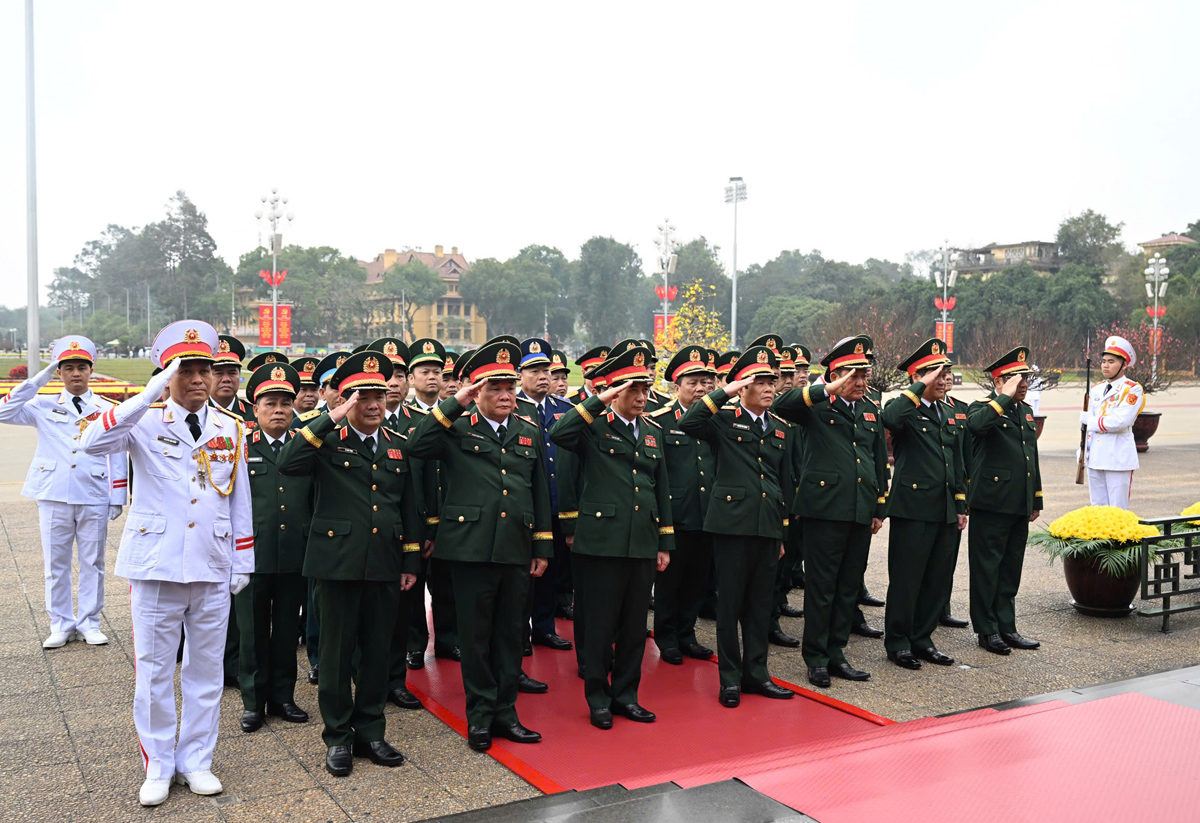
(134, 371)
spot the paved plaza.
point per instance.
(69, 751)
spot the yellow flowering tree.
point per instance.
(697, 322)
(1110, 535)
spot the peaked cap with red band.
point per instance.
(1122, 348)
(848, 353)
(269, 377)
(1013, 362)
(265, 358)
(493, 361)
(725, 361)
(365, 370)
(74, 347)
(689, 360)
(186, 339)
(930, 354)
(627, 364)
(393, 347)
(756, 361)
(229, 350)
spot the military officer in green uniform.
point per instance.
(747, 516)
(395, 416)
(1005, 496)
(927, 507)
(268, 608)
(959, 410)
(843, 491)
(725, 365)
(309, 394)
(690, 471)
(623, 533)
(588, 362)
(494, 531)
(450, 384)
(363, 550)
(330, 399)
(791, 569)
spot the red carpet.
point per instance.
(695, 740)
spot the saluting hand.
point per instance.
(930, 377)
(610, 394)
(467, 394)
(339, 414)
(834, 389)
(1011, 385)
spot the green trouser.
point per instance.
(397, 656)
(793, 550)
(232, 645)
(679, 589)
(436, 575)
(489, 599)
(796, 534)
(920, 566)
(268, 612)
(564, 588)
(834, 559)
(996, 550)
(746, 569)
(355, 615)
(615, 595)
(953, 566)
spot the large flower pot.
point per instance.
(1040, 421)
(1144, 428)
(1096, 593)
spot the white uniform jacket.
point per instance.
(61, 471)
(1110, 421)
(190, 521)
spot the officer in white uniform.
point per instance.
(188, 543)
(77, 494)
(1112, 409)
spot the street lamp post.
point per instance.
(735, 193)
(274, 215)
(1156, 287)
(945, 277)
(667, 246)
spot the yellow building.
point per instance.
(1164, 244)
(452, 320)
(1042, 257)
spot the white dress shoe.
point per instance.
(202, 782)
(154, 792)
(56, 640)
(95, 637)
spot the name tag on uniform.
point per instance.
(59, 411)
(741, 426)
(345, 450)
(869, 416)
(253, 459)
(395, 454)
(170, 441)
(477, 435)
(681, 434)
(650, 442)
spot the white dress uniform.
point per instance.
(74, 490)
(1111, 456)
(189, 531)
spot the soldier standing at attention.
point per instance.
(958, 409)
(560, 372)
(450, 384)
(791, 566)
(77, 494)
(363, 548)
(309, 393)
(188, 545)
(927, 508)
(269, 608)
(1112, 410)
(588, 362)
(394, 416)
(623, 532)
(1005, 496)
(227, 378)
(725, 366)
(495, 531)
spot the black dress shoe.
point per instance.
(515, 732)
(380, 752)
(848, 672)
(339, 761)
(634, 712)
(993, 644)
(479, 738)
(448, 653)
(780, 638)
(405, 699)
(672, 656)
(730, 696)
(288, 711)
(251, 721)
(870, 600)
(819, 676)
(553, 641)
(313, 674)
(768, 689)
(415, 660)
(866, 630)
(904, 659)
(526, 648)
(934, 656)
(788, 610)
(1017, 642)
(565, 612)
(602, 718)
(528, 685)
(696, 650)
(951, 622)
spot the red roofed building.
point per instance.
(452, 320)
(1165, 243)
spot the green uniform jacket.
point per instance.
(427, 474)
(365, 524)
(1005, 477)
(691, 469)
(497, 503)
(624, 493)
(282, 509)
(959, 410)
(844, 470)
(929, 481)
(752, 491)
(243, 410)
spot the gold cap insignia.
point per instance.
(639, 359)
(1020, 357)
(191, 336)
(74, 345)
(278, 374)
(712, 359)
(632, 345)
(223, 346)
(271, 359)
(390, 349)
(694, 356)
(341, 360)
(371, 365)
(449, 362)
(858, 348)
(771, 343)
(556, 359)
(935, 349)
(763, 357)
(535, 347)
(310, 367)
(502, 356)
(428, 348)
(604, 352)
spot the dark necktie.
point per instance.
(193, 425)
(542, 416)
(501, 431)
(1107, 389)
(276, 445)
(629, 427)
(78, 404)
(370, 441)
(763, 422)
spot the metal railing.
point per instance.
(1169, 561)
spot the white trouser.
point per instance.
(1110, 488)
(159, 610)
(64, 525)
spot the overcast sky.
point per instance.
(862, 129)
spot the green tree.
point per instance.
(560, 306)
(415, 285)
(513, 296)
(1089, 239)
(609, 274)
(698, 264)
(795, 319)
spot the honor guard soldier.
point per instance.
(747, 516)
(309, 393)
(269, 608)
(77, 494)
(188, 544)
(1005, 496)
(725, 366)
(927, 507)
(395, 416)
(1113, 407)
(560, 374)
(494, 532)
(691, 469)
(588, 362)
(959, 409)
(450, 384)
(227, 378)
(363, 548)
(843, 489)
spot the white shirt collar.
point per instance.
(272, 440)
(421, 403)
(494, 424)
(631, 423)
(66, 398)
(363, 437)
(179, 413)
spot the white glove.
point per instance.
(238, 582)
(1084, 417)
(113, 513)
(44, 377)
(157, 383)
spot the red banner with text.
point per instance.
(264, 326)
(944, 332)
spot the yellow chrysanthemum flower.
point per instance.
(1102, 523)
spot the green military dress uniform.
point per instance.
(365, 535)
(495, 518)
(793, 558)
(1005, 491)
(959, 409)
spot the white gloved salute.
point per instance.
(157, 383)
(113, 513)
(44, 377)
(238, 582)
